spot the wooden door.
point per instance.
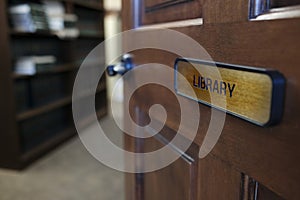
(249, 161)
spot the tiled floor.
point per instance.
(68, 173)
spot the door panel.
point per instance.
(165, 183)
(225, 11)
(248, 162)
(251, 189)
(218, 180)
(158, 11)
(158, 184)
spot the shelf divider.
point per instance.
(56, 69)
(43, 109)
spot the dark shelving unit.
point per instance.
(33, 122)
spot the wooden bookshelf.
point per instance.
(36, 113)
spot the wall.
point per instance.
(112, 27)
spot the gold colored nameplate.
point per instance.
(253, 94)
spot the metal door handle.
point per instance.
(122, 67)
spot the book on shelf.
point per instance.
(30, 65)
(60, 23)
(55, 12)
(28, 17)
(48, 16)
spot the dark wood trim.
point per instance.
(168, 11)
(249, 188)
(9, 141)
(128, 15)
(165, 4)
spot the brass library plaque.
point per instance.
(253, 94)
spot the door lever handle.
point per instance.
(122, 67)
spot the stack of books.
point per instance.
(30, 65)
(28, 17)
(55, 12)
(60, 23)
(48, 16)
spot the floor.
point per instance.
(68, 173)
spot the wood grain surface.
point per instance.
(269, 155)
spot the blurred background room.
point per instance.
(43, 43)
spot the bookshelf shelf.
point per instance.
(51, 106)
(40, 110)
(37, 108)
(56, 69)
(16, 33)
